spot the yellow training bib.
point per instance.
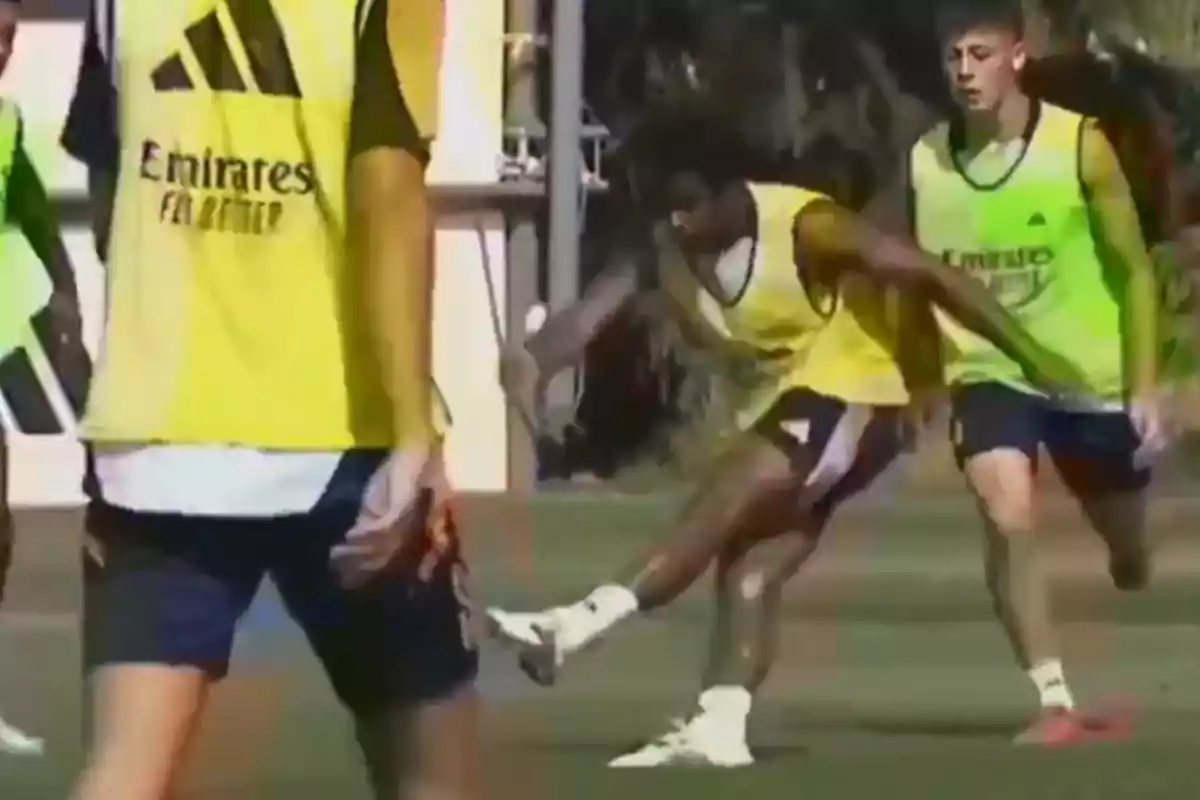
(233, 316)
(784, 328)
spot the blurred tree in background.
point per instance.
(1169, 28)
(668, 429)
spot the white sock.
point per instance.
(601, 611)
(1051, 684)
(728, 707)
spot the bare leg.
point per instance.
(431, 752)
(146, 717)
(161, 598)
(744, 642)
(743, 647)
(757, 481)
(1113, 498)
(750, 578)
(1003, 484)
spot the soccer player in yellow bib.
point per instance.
(263, 402)
(1029, 198)
(782, 282)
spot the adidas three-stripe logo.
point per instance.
(40, 392)
(238, 47)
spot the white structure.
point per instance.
(471, 254)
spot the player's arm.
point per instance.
(919, 339)
(29, 209)
(1123, 248)
(829, 234)
(563, 338)
(90, 133)
(390, 225)
(919, 347)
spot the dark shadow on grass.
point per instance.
(951, 727)
(766, 754)
(972, 728)
(603, 751)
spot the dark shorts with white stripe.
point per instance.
(850, 445)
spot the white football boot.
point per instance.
(533, 636)
(698, 741)
(544, 640)
(15, 742)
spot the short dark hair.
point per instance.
(956, 17)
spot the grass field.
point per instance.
(895, 682)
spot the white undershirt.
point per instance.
(212, 480)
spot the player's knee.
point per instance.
(1005, 500)
(766, 570)
(1008, 518)
(1003, 484)
(752, 585)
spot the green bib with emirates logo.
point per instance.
(1024, 231)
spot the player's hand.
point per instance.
(393, 517)
(1145, 414)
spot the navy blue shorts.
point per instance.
(1092, 450)
(171, 589)
(802, 419)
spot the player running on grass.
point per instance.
(263, 403)
(746, 629)
(1030, 199)
(25, 205)
(781, 280)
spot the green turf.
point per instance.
(894, 682)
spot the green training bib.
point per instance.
(23, 283)
(1026, 234)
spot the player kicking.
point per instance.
(743, 645)
(25, 205)
(263, 405)
(1029, 198)
(754, 270)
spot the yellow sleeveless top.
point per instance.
(233, 317)
(785, 329)
(856, 357)
(1025, 232)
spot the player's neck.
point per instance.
(735, 219)
(1003, 124)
